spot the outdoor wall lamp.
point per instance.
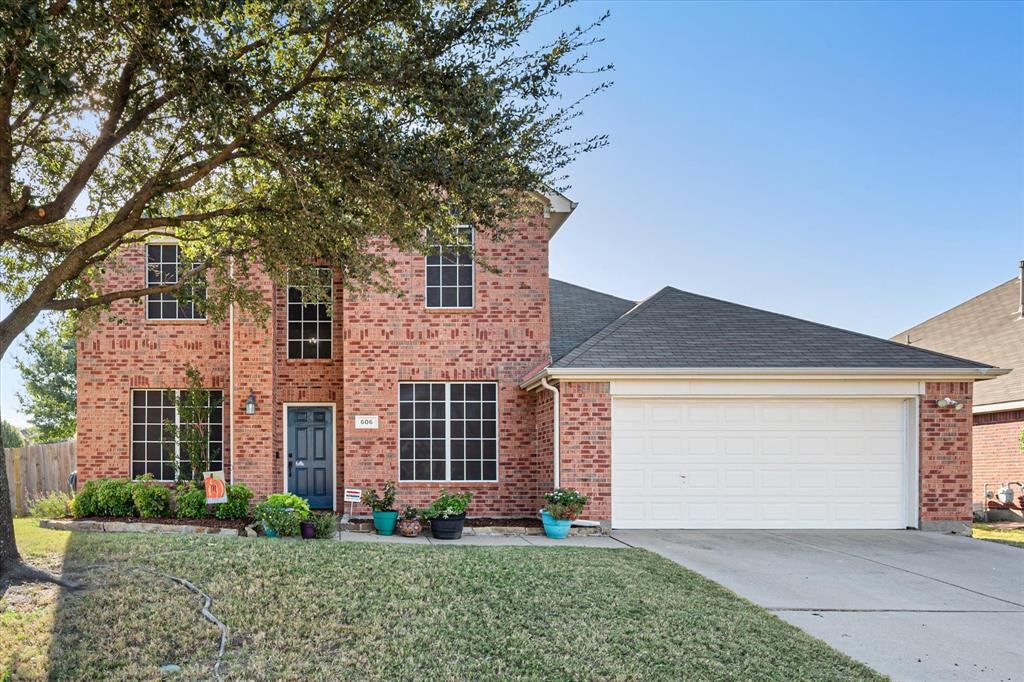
(949, 402)
(250, 403)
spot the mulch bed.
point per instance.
(211, 522)
(526, 522)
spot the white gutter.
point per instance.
(998, 407)
(555, 430)
(231, 380)
(675, 373)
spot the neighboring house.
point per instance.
(677, 412)
(988, 327)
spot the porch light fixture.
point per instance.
(949, 402)
(250, 403)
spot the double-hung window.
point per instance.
(154, 447)
(163, 266)
(448, 431)
(450, 276)
(309, 323)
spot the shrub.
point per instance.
(283, 521)
(447, 505)
(85, 502)
(114, 498)
(237, 506)
(53, 505)
(289, 501)
(377, 503)
(326, 525)
(565, 503)
(153, 501)
(191, 501)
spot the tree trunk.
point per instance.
(9, 557)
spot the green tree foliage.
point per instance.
(11, 435)
(193, 405)
(265, 135)
(47, 367)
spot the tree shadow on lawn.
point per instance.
(333, 610)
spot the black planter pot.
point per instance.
(447, 529)
(308, 529)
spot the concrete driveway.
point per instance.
(912, 605)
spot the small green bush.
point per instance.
(191, 501)
(152, 500)
(447, 504)
(289, 501)
(282, 520)
(85, 502)
(326, 525)
(53, 505)
(237, 506)
(114, 498)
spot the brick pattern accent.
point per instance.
(388, 339)
(997, 454)
(945, 465)
(586, 444)
(117, 356)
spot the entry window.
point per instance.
(163, 266)
(309, 324)
(448, 431)
(450, 277)
(154, 449)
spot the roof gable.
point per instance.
(578, 313)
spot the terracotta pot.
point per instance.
(409, 528)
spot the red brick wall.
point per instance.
(310, 381)
(945, 465)
(585, 412)
(388, 339)
(997, 455)
(125, 351)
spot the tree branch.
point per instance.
(84, 302)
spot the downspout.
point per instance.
(231, 380)
(555, 430)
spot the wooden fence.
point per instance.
(37, 469)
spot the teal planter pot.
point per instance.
(268, 531)
(555, 528)
(384, 522)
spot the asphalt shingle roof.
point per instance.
(676, 329)
(987, 327)
(578, 313)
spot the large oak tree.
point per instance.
(266, 133)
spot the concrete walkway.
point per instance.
(912, 605)
(600, 541)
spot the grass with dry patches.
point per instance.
(330, 610)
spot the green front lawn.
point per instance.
(984, 531)
(330, 610)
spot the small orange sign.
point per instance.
(216, 491)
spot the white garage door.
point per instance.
(744, 463)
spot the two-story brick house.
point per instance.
(678, 411)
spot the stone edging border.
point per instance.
(135, 527)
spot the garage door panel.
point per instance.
(775, 463)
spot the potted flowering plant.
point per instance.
(447, 515)
(383, 506)
(563, 507)
(282, 514)
(409, 525)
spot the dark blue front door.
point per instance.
(311, 455)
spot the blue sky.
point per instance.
(858, 164)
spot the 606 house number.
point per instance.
(364, 421)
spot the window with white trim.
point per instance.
(448, 431)
(450, 273)
(163, 266)
(309, 323)
(154, 448)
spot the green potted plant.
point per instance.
(447, 515)
(282, 514)
(564, 506)
(383, 506)
(409, 525)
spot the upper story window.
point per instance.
(309, 323)
(163, 266)
(450, 273)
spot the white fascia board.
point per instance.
(998, 407)
(557, 209)
(654, 373)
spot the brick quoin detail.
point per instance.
(945, 464)
(586, 444)
(997, 455)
